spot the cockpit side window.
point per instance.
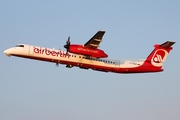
(19, 46)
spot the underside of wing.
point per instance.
(95, 40)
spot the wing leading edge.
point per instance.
(95, 40)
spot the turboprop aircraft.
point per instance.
(88, 56)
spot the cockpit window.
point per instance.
(19, 46)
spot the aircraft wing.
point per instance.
(95, 40)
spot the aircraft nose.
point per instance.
(7, 52)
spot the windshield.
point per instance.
(19, 46)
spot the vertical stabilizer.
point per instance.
(159, 54)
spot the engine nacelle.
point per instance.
(80, 49)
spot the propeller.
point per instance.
(57, 64)
(67, 46)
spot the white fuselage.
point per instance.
(81, 61)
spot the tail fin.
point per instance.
(159, 54)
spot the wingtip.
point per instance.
(101, 30)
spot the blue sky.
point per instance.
(40, 91)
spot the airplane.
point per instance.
(89, 56)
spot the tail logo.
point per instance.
(159, 57)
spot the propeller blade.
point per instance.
(68, 41)
(57, 64)
(67, 45)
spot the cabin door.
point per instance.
(31, 50)
(117, 64)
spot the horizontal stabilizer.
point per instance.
(167, 44)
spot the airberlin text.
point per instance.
(46, 51)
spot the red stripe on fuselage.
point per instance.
(140, 69)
